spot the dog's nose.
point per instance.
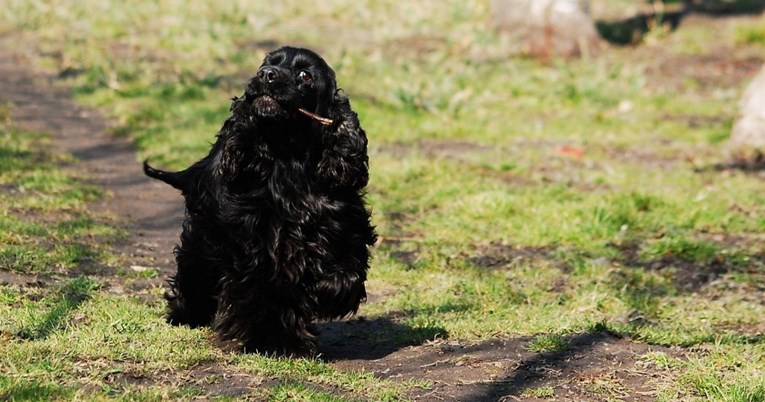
(268, 74)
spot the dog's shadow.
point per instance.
(370, 339)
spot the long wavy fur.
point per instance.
(276, 233)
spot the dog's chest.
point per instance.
(284, 189)
(282, 213)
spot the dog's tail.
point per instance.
(178, 180)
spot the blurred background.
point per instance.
(489, 70)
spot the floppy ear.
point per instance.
(344, 163)
(326, 98)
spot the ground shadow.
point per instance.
(365, 339)
(725, 7)
(631, 30)
(64, 303)
(33, 391)
(689, 272)
(539, 369)
(692, 274)
(755, 165)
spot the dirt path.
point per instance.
(596, 365)
(144, 207)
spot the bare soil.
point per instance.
(595, 366)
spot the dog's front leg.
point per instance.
(261, 318)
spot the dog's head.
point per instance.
(290, 79)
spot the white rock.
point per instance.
(748, 133)
(547, 27)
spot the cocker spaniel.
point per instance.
(276, 233)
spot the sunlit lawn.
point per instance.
(513, 196)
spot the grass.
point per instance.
(62, 303)
(514, 196)
(753, 35)
(45, 227)
(548, 343)
(541, 392)
(74, 339)
(78, 342)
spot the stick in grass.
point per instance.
(323, 120)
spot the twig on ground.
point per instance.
(436, 363)
(392, 239)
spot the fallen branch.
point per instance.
(323, 120)
(436, 363)
(391, 239)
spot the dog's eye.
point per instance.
(304, 76)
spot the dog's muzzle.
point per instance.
(266, 106)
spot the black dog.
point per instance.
(276, 233)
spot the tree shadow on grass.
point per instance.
(755, 165)
(725, 7)
(631, 30)
(691, 264)
(63, 303)
(33, 391)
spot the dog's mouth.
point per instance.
(267, 106)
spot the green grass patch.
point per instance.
(541, 392)
(45, 226)
(301, 373)
(732, 374)
(514, 197)
(548, 343)
(296, 391)
(75, 335)
(59, 307)
(751, 36)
